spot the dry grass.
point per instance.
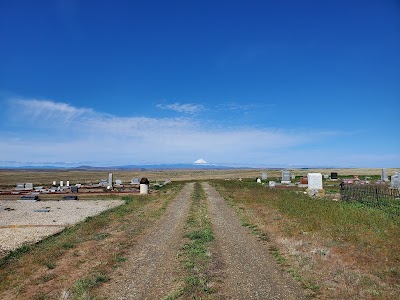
(339, 250)
(81, 257)
(9, 178)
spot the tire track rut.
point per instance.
(152, 267)
(250, 271)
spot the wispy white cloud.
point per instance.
(187, 108)
(92, 136)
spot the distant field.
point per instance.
(9, 178)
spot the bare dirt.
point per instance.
(243, 264)
(250, 270)
(152, 269)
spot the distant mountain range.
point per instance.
(126, 167)
(195, 166)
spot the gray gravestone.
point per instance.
(395, 181)
(264, 176)
(135, 181)
(384, 175)
(286, 177)
(118, 182)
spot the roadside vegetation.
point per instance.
(71, 264)
(336, 249)
(195, 255)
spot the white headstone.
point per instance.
(54, 183)
(67, 182)
(264, 176)
(314, 181)
(271, 184)
(258, 180)
(144, 189)
(61, 183)
(110, 179)
(118, 181)
(28, 186)
(326, 176)
(135, 181)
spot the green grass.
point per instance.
(373, 234)
(195, 255)
(18, 268)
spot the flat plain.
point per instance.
(318, 247)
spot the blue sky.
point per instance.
(255, 83)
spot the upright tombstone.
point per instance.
(20, 186)
(315, 188)
(286, 177)
(54, 183)
(258, 180)
(61, 183)
(135, 181)
(29, 186)
(384, 175)
(118, 182)
(144, 186)
(395, 181)
(271, 184)
(110, 180)
(264, 176)
(67, 182)
(334, 176)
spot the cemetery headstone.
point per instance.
(258, 180)
(61, 183)
(334, 175)
(314, 180)
(384, 175)
(20, 186)
(118, 182)
(285, 177)
(272, 184)
(110, 179)
(315, 185)
(29, 186)
(264, 176)
(135, 181)
(144, 186)
(395, 181)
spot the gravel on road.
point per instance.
(152, 269)
(250, 270)
(29, 222)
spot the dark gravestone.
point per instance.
(35, 197)
(334, 175)
(70, 198)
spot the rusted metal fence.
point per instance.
(382, 197)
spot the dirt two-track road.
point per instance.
(153, 270)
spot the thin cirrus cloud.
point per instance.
(88, 135)
(187, 108)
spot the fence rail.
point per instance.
(377, 196)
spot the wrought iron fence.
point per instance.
(378, 196)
